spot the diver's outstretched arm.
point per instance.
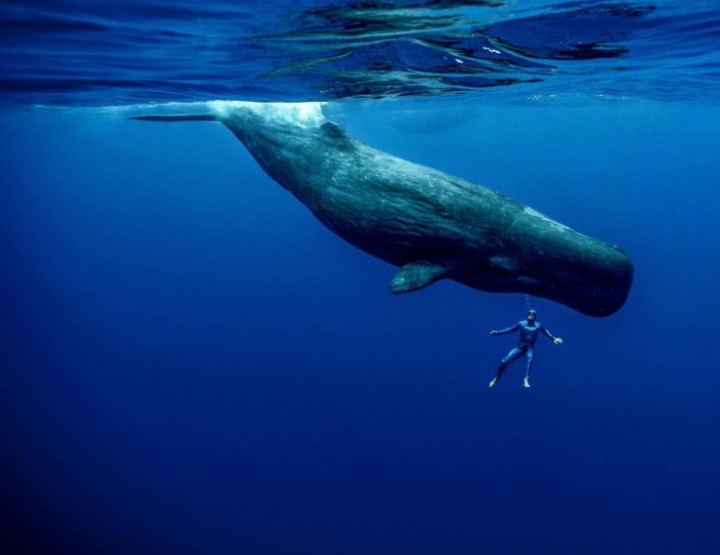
(506, 330)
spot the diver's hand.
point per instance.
(494, 332)
(558, 341)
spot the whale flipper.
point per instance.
(416, 275)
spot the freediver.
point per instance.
(529, 330)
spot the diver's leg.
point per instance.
(514, 354)
(529, 356)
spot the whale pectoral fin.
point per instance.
(416, 275)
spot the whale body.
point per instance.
(430, 224)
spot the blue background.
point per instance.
(192, 364)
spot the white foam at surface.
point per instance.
(305, 114)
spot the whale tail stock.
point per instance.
(176, 117)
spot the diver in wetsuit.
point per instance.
(529, 330)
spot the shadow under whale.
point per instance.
(429, 223)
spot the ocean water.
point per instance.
(191, 363)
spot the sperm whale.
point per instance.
(430, 224)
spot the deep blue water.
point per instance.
(191, 363)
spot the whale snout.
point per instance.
(596, 282)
